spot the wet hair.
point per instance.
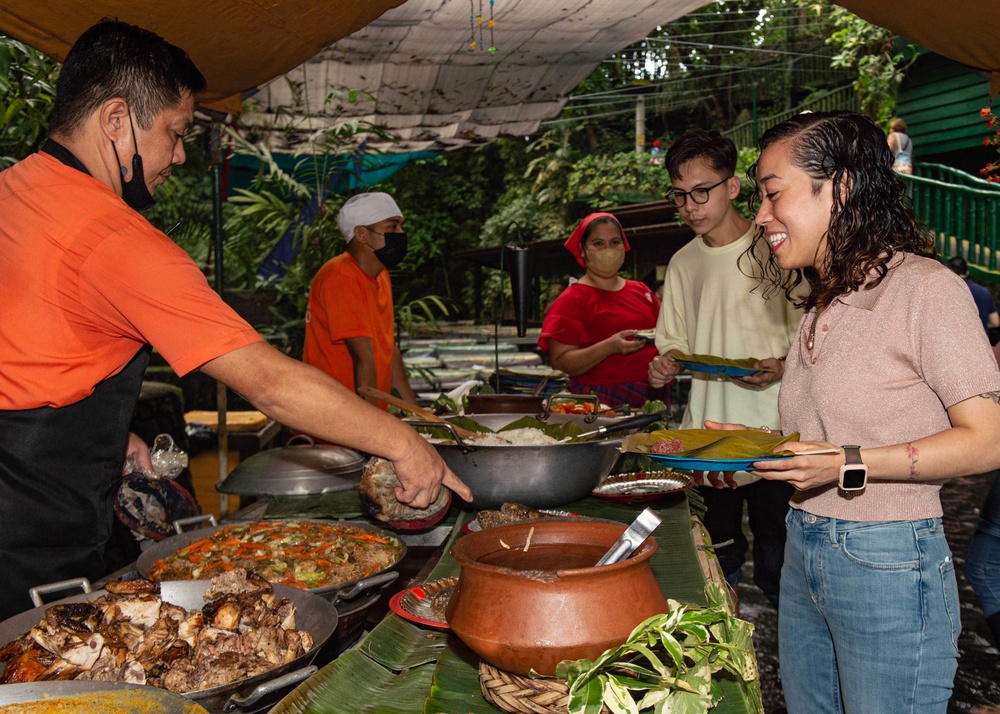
(871, 218)
(898, 125)
(957, 265)
(718, 151)
(115, 59)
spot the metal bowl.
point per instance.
(538, 476)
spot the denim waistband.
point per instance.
(811, 522)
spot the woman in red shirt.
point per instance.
(590, 330)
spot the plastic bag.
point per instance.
(168, 460)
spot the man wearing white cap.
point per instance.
(349, 321)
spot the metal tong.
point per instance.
(635, 422)
(632, 538)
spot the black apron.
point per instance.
(59, 472)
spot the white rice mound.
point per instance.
(516, 437)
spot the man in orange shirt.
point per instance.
(88, 285)
(349, 321)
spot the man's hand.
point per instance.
(421, 473)
(662, 369)
(775, 370)
(137, 450)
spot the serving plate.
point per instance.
(639, 487)
(472, 526)
(425, 604)
(696, 464)
(710, 364)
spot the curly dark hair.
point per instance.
(871, 219)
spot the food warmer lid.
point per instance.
(296, 470)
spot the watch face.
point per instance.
(853, 479)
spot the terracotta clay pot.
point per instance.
(530, 608)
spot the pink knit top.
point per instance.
(885, 365)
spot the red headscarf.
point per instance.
(574, 244)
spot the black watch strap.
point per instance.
(852, 455)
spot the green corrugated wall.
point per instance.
(940, 102)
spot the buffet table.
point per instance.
(405, 668)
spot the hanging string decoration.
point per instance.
(476, 20)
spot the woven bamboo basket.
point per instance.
(523, 695)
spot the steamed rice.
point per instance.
(516, 437)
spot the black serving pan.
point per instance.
(314, 614)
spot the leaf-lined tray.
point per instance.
(710, 449)
(719, 365)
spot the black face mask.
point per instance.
(135, 193)
(394, 251)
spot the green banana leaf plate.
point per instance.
(710, 449)
(719, 365)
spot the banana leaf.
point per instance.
(354, 683)
(455, 687)
(397, 645)
(712, 443)
(341, 504)
(556, 431)
(712, 360)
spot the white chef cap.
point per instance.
(364, 210)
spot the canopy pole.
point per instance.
(640, 124)
(221, 394)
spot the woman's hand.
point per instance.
(804, 472)
(662, 369)
(718, 479)
(138, 452)
(772, 370)
(624, 343)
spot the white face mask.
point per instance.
(605, 263)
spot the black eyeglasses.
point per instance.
(698, 195)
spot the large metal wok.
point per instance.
(314, 614)
(333, 593)
(538, 476)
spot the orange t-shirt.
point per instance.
(345, 301)
(85, 281)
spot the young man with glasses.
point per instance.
(713, 305)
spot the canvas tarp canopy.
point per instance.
(241, 45)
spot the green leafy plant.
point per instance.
(27, 90)
(670, 663)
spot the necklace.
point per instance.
(811, 342)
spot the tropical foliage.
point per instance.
(27, 88)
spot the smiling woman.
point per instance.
(882, 611)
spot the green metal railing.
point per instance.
(747, 133)
(947, 174)
(965, 219)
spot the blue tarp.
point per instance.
(356, 172)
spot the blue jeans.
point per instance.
(869, 617)
(982, 564)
